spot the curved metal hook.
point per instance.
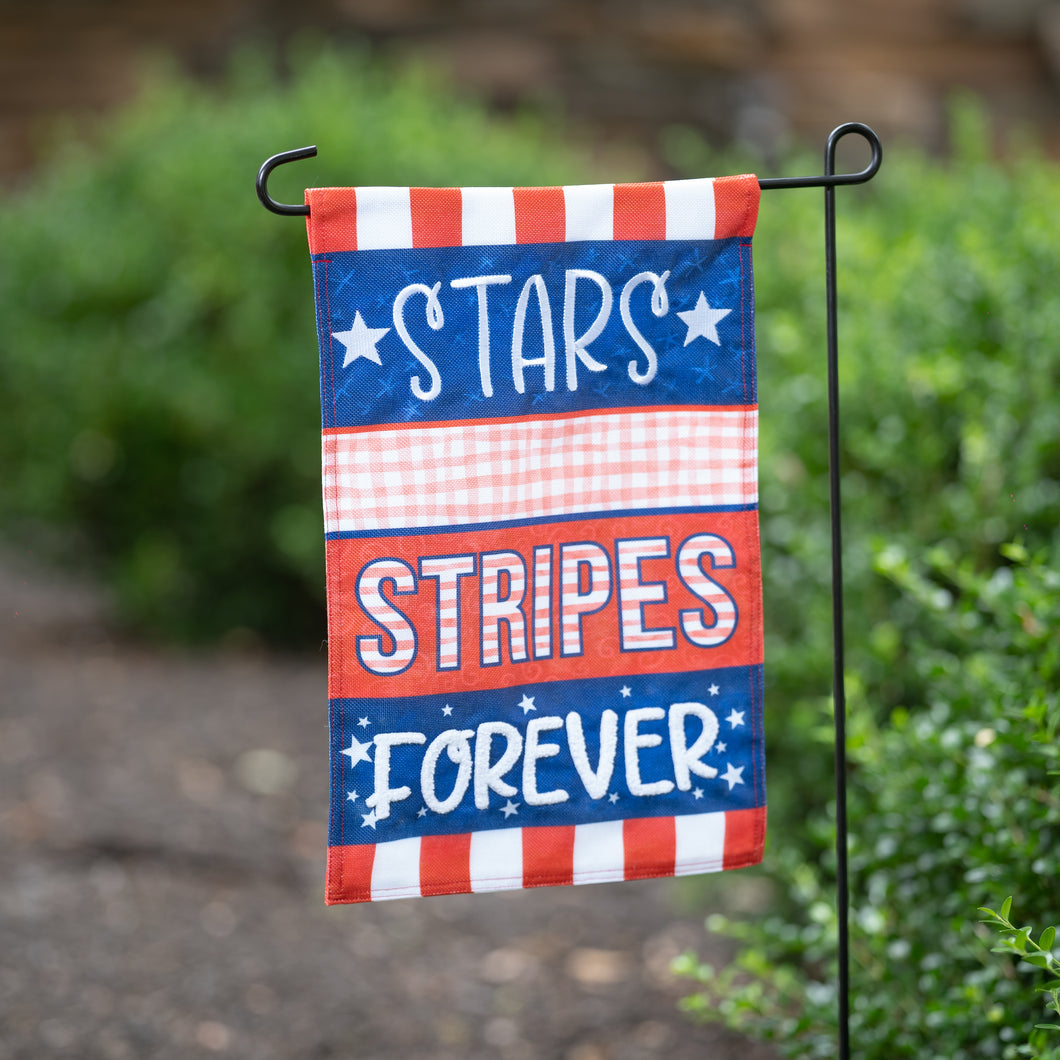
(831, 179)
(262, 183)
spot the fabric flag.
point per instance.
(540, 499)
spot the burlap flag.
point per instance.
(540, 501)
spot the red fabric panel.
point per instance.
(640, 211)
(735, 206)
(548, 856)
(444, 864)
(745, 837)
(651, 846)
(436, 217)
(332, 221)
(540, 216)
(349, 874)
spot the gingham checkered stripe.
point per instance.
(503, 859)
(491, 471)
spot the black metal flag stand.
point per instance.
(829, 181)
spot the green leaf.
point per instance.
(1039, 960)
(1048, 936)
(1006, 907)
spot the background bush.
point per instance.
(951, 364)
(158, 365)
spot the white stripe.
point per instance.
(488, 216)
(689, 208)
(700, 841)
(384, 218)
(396, 869)
(496, 860)
(599, 852)
(590, 211)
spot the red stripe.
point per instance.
(745, 837)
(349, 874)
(651, 846)
(436, 217)
(735, 206)
(445, 864)
(548, 856)
(332, 220)
(640, 211)
(540, 216)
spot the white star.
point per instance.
(626, 693)
(713, 690)
(527, 703)
(363, 722)
(703, 321)
(357, 751)
(360, 341)
(447, 710)
(613, 797)
(368, 820)
(734, 775)
(422, 812)
(351, 796)
(698, 793)
(735, 718)
(509, 808)
(721, 747)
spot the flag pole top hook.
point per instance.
(262, 183)
(830, 179)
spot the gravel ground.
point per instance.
(162, 834)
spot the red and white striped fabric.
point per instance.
(393, 218)
(512, 858)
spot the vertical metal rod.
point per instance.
(838, 687)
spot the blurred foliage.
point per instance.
(949, 313)
(953, 805)
(158, 365)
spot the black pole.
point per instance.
(838, 649)
(829, 182)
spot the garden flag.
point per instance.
(540, 501)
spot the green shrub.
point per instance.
(951, 439)
(158, 354)
(952, 806)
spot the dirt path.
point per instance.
(162, 828)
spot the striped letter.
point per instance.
(715, 596)
(507, 609)
(370, 582)
(448, 570)
(573, 603)
(633, 594)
